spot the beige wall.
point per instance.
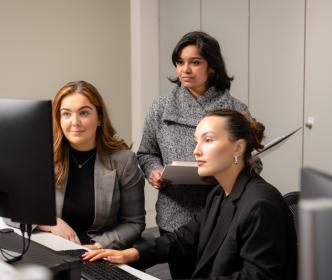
(46, 43)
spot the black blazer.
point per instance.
(255, 236)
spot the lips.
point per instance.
(200, 162)
(77, 132)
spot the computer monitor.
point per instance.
(315, 225)
(315, 184)
(27, 192)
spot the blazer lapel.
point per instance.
(210, 222)
(59, 198)
(182, 108)
(104, 182)
(214, 242)
(224, 222)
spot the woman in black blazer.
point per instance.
(245, 231)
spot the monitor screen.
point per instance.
(315, 184)
(315, 225)
(27, 191)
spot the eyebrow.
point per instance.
(193, 57)
(207, 132)
(81, 108)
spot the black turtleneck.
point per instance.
(79, 204)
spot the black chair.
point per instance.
(291, 200)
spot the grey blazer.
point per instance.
(119, 201)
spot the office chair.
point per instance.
(291, 200)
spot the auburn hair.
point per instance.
(107, 139)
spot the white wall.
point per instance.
(46, 43)
(228, 22)
(145, 78)
(276, 78)
(318, 84)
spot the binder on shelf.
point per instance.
(274, 144)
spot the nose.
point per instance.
(75, 120)
(197, 150)
(186, 67)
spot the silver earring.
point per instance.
(236, 160)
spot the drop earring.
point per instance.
(236, 160)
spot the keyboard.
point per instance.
(101, 269)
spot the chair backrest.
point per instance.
(291, 200)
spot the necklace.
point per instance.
(80, 165)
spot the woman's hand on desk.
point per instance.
(114, 256)
(62, 229)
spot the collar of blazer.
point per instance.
(209, 244)
(102, 186)
(241, 183)
(181, 107)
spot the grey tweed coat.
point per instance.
(169, 136)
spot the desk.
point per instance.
(58, 243)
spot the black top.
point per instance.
(79, 204)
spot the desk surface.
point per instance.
(58, 243)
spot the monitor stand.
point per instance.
(7, 255)
(10, 255)
(62, 267)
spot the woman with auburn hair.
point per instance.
(245, 231)
(99, 186)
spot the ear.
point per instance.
(211, 71)
(239, 147)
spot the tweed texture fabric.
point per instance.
(168, 136)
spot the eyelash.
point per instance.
(194, 62)
(84, 113)
(67, 115)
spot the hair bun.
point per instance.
(257, 130)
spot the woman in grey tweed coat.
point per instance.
(202, 85)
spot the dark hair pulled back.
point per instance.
(239, 127)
